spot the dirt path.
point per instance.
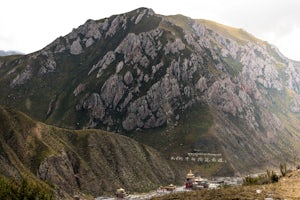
(146, 196)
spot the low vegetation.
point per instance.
(283, 169)
(235, 33)
(24, 189)
(92, 162)
(269, 177)
(245, 192)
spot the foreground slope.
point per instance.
(286, 188)
(89, 161)
(198, 91)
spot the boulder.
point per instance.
(76, 47)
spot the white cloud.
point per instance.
(30, 25)
(288, 43)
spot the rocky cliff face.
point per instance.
(141, 71)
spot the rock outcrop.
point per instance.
(21, 78)
(140, 71)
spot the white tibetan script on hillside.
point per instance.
(200, 157)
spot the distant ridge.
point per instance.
(9, 53)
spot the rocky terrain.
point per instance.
(84, 162)
(177, 84)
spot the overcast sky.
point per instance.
(29, 25)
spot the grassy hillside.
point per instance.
(24, 189)
(86, 161)
(195, 131)
(228, 31)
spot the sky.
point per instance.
(30, 25)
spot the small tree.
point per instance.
(295, 162)
(282, 167)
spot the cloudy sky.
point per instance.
(28, 26)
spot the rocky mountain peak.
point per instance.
(140, 71)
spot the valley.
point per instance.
(137, 99)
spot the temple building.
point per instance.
(190, 179)
(120, 193)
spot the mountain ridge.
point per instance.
(144, 75)
(9, 53)
(87, 162)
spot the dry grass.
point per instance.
(245, 192)
(235, 33)
(287, 188)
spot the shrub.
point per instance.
(269, 177)
(272, 176)
(23, 189)
(259, 180)
(282, 167)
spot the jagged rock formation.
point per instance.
(141, 71)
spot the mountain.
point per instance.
(85, 162)
(207, 96)
(9, 53)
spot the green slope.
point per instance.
(87, 161)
